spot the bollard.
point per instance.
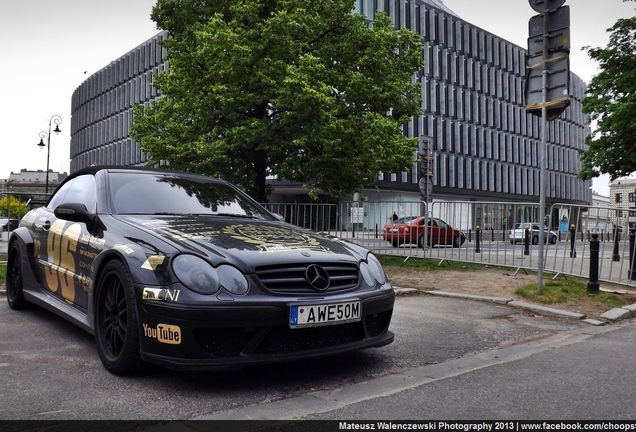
(492, 234)
(593, 286)
(572, 240)
(617, 238)
(376, 230)
(477, 238)
(470, 235)
(526, 241)
(632, 256)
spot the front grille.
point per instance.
(284, 339)
(290, 279)
(232, 342)
(223, 342)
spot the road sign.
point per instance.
(558, 19)
(543, 5)
(547, 62)
(557, 41)
(558, 83)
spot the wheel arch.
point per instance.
(100, 264)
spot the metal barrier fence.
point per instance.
(14, 205)
(488, 235)
(462, 231)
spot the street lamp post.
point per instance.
(57, 120)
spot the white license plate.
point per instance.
(395, 229)
(324, 314)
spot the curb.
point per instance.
(613, 315)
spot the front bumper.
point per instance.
(186, 337)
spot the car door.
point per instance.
(433, 232)
(64, 259)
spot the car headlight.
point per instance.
(376, 269)
(199, 276)
(373, 273)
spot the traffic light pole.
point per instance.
(543, 154)
(551, 56)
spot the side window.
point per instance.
(79, 190)
(58, 198)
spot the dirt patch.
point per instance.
(498, 283)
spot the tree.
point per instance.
(611, 102)
(12, 206)
(303, 90)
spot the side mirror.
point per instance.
(75, 212)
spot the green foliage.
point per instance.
(3, 268)
(298, 89)
(13, 207)
(611, 102)
(567, 290)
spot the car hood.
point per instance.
(243, 241)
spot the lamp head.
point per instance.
(41, 144)
(57, 129)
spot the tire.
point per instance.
(395, 244)
(535, 240)
(15, 295)
(117, 340)
(457, 241)
(420, 242)
(512, 242)
(553, 240)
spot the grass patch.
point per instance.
(567, 290)
(426, 264)
(3, 268)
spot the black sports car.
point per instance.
(188, 272)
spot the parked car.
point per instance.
(517, 234)
(189, 273)
(8, 224)
(411, 230)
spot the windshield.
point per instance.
(150, 193)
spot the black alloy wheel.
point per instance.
(116, 325)
(15, 295)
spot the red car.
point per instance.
(411, 230)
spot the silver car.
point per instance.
(517, 234)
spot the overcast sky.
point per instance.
(47, 49)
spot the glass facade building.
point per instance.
(485, 145)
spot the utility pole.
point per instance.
(547, 89)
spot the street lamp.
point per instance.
(57, 120)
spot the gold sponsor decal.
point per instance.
(164, 333)
(152, 262)
(272, 239)
(162, 294)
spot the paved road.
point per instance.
(50, 369)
